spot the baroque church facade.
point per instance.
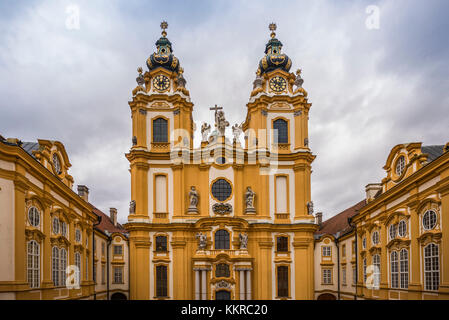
(225, 220)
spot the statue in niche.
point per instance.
(249, 200)
(132, 207)
(205, 129)
(202, 240)
(193, 199)
(243, 240)
(310, 207)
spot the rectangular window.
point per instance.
(160, 130)
(103, 249)
(118, 275)
(95, 273)
(282, 244)
(103, 273)
(343, 275)
(327, 276)
(282, 281)
(118, 250)
(87, 268)
(161, 244)
(161, 281)
(353, 248)
(281, 194)
(326, 251)
(343, 251)
(354, 275)
(160, 193)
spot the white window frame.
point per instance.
(403, 269)
(55, 225)
(394, 270)
(376, 271)
(78, 265)
(375, 238)
(118, 276)
(429, 213)
(431, 270)
(400, 164)
(343, 271)
(327, 276)
(33, 264)
(327, 251)
(402, 226)
(34, 216)
(393, 231)
(55, 266)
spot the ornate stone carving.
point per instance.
(205, 129)
(134, 140)
(142, 111)
(264, 112)
(223, 285)
(297, 113)
(132, 207)
(176, 112)
(298, 81)
(222, 208)
(202, 240)
(140, 80)
(193, 199)
(221, 123)
(310, 207)
(306, 142)
(249, 200)
(243, 237)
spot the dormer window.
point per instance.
(400, 165)
(56, 164)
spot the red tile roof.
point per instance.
(339, 222)
(106, 223)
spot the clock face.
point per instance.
(278, 84)
(161, 82)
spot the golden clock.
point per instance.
(278, 84)
(161, 82)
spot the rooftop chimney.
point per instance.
(319, 218)
(371, 190)
(113, 215)
(83, 192)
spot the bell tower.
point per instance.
(277, 119)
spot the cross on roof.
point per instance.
(216, 108)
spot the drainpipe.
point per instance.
(107, 265)
(338, 264)
(352, 225)
(93, 253)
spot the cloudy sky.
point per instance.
(372, 83)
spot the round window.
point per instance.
(33, 216)
(402, 228)
(429, 220)
(221, 190)
(400, 165)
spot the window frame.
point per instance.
(164, 248)
(117, 272)
(282, 281)
(287, 123)
(32, 220)
(434, 214)
(326, 276)
(161, 281)
(325, 248)
(33, 268)
(214, 182)
(404, 228)
(434, 272)
(225, 239)
(219, 267)
(153, 131)
(282, 247)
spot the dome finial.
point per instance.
(272, 26)
(164, 25)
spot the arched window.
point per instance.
(400, 165)
(376, 271)
(33, 265)
(78, 265)
(55, 266)
(64, 228)
(221, 239)
(403, 259)
(62, 265)
(160, 130)
(375, 237)
(394, 269)
(282, 131)
(222, 270)
(431, 267)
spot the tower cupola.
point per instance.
(163, 57)
(274, 58)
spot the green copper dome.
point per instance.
(274, 58)
(163, 57)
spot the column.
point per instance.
(203, 285)
(383, 292)
(242, 285)
(415, 286)
(248, 284)
(197, 285)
